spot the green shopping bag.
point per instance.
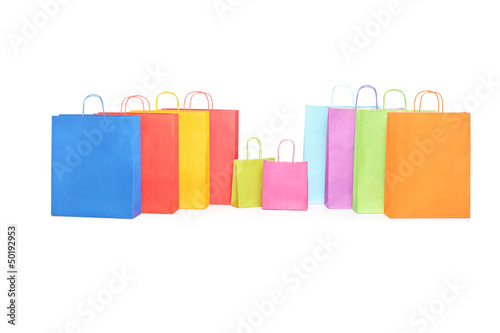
(369, 159)
(247, 180)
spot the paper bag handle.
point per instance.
(193, 93)
(350, 91)
(293, 143)
(367, 86)
(404, 96)
(170, 93)
(93, 95)
(424, 92)
(139, 97)
(260, 147)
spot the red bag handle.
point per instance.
(196, 92)
(293, 143)
(140, 97)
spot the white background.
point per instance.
(201, 271)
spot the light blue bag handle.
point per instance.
(367, 86)
(404, 96)
(93, 95)
(346, 86)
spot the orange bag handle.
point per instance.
(196, 92)
(293, 143)
(424, 92)
(169, 93)
(140, 97)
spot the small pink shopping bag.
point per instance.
(284, 184)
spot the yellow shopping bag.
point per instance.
(194, 156)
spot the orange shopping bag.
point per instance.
(427, 163)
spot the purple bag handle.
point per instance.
(367, 86)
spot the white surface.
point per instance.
(199, 273)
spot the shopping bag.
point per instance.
(340, 154)
(428, 163)
(194, 156)
(96, 165)
(159, 158)
(284, 184)
(369, 159)
(223, 149)
(315, 127)
(247, 180)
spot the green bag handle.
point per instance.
(404, 96)
(260, 146)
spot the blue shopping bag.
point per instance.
(315, 131)
(96, 165)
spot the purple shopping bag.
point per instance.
(284, 185)
(340, 154)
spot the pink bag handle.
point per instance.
(193, 93)
(424, 92)
(123, 108)
(293, 143)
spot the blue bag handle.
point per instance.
(371, 87)
(346, 86)
(93, 95)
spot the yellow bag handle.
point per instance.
(170, 93)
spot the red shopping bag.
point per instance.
(159, 158)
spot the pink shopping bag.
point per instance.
(284, 184)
